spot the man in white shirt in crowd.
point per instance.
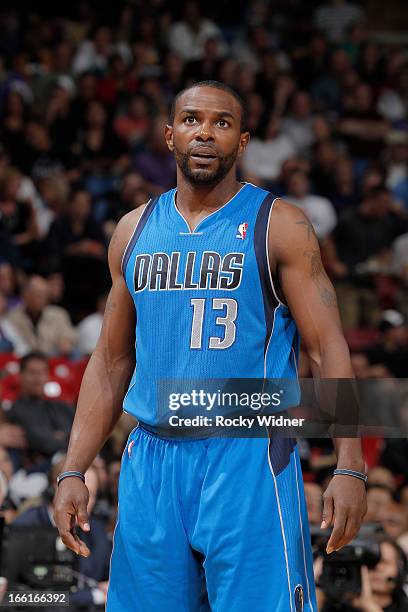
(320, 210)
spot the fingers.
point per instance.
(328, 510)
(67, 515)
(64, 524)
(82, 548)
(82, 518)
(337, 534)
(346, 527)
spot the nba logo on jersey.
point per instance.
(242, 230)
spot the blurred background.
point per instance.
(85, 91)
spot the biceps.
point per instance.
(117, 337)
(311, 299)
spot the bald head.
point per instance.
(212, 85)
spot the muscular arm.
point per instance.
(102, 391)
(306, 289)
(111, 365)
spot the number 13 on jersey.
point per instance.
(227, 320)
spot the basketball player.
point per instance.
(213, 279)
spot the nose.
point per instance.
(205, 132)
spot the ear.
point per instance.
(243, 143)
(168, 134)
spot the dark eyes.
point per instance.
(191, 120)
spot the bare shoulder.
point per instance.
(121, 236)
(290, 231)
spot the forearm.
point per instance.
(334, 363)
(99, 407)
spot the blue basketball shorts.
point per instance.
(214, 524)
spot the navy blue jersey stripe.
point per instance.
(141, 223)
(280, 450)
(260, 245)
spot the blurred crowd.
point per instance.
(85, 93)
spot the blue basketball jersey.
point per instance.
(204, 299)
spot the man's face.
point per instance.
(298, 185)
(394, 520)
(33, 378)
(383, 575)
(36, 295)
(206, 135)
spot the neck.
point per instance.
(195, 199)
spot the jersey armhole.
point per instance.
(141, 222)
(267, 254)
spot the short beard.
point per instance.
(202, 177)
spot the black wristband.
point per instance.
(69, 473)
(353, 473)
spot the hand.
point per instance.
(70, 511)
(365, 601)
(345, 506)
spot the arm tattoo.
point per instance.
(317, 273)
(110, 305)
(308, 227)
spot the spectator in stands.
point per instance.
(41, 326)
(394, 520)
(8, 284)
(100, 151)
(362, 236)
(319, 210)
(392, 349)
(75, 232)
(59, 115)
(381, 586)
(311, 61)
(95, 567)
(41, 159)
(313, 494)
(378, 498)
(13, 121)
(18, 217)
(94, 53)
(89, 328)
(362, 127)
(327, 89)
(187, 37)
(335, 17)
(114, 88)
(382, 477)
(10, 340)
(369, 63)
(263, 157)
(323, 172)
(46, 422)
(345, 192)
(207, 67)
(298, 125)
(395, 450)
(133, 125)
(156, 164)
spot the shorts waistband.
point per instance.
(161, 432)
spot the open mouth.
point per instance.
(203, 157)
